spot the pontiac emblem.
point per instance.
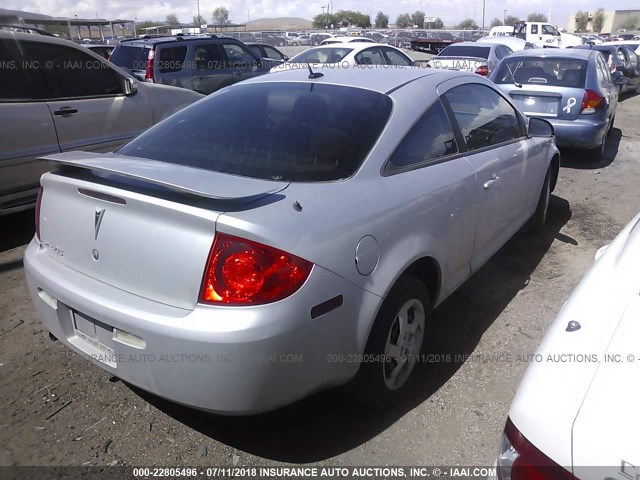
(98, 220)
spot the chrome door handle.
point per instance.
(494, 179)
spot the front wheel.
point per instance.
(538, 221)
(395, 344)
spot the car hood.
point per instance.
(580, 385)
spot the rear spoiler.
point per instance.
(179, 178)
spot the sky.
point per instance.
(451, 11)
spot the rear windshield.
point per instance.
(556, 72)
(133, 57)
(274, 131)
(465, 51)
(321, 55)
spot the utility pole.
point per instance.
(504, 18)
(484, 7)
(198, 10)
(248, 15)
(324, 17)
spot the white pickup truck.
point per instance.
(541, 34)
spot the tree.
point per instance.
(172, 19)
(417, 18)
(324, 20)
(496, 22)
(199, 20)
(582, 19)
(468, 24)
(221, 16)
(510, 20)
(382, 20)
(536, 17)
(145, 24)
(598, 20)
(437, 24)
(349, 18)
(403, 21)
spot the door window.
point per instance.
(272, 53)
(208, 57)
(534, 29)
(15, 84)
(172, 59)
(396, 58)
(69, 73)
(238, 56)
(484, 117)
(370, 56)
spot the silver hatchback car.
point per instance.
(571, 88)
(286, 234)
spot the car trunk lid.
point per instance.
(142, 226)
(542, 101)
(464, 64)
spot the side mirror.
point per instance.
(285, 58)
(420, 63)
(129, 86)
(539, 127)
(620, 80)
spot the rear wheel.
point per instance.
(395, 343)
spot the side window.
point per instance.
(237, 56)
(534, 29)
(208, 57)
(272, 53)
(499, 52)
(396, 58)
(67, 72)
(15, 83)
(370, 56)
(429, 139)
(172, 59)
(484, 117)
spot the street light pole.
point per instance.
(484, 6)
(504, 18)
(324, 18)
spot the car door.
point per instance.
(209, 71)
(494, 141)
(170, 65)
(86, 98)
(394, 57)
(271, 57)
(430, 169)
(26, 129)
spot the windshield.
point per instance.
(321, 55)
(557, 72)
(301, 132)
(465, 51)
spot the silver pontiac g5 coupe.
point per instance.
(286, 234)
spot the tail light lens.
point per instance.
(38, 203)
(148, 75)
(242, 272)
(591, 101)
(483, 70)
(521, 460)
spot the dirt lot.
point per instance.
(454, 415)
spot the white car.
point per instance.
(576, 410)
(514, 43)
(330, 41)
(346, 55)
(568, 40)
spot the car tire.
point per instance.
(538, 220)
(596, 154)
(638, 88)
(391, 354)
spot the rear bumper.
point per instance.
(579, 133)
(229, 360)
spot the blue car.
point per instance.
(572, 89)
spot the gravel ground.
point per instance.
(453, 416)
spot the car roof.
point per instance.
(601, 47)
(385, 80)
(138, 42)
(472, 44)
(578, 53)
(357, 46)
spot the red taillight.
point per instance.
(109, 57)
(148, 75)
(38, 203)
(242, 272)
(530, 463)
(591, 101)
(483, 70)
